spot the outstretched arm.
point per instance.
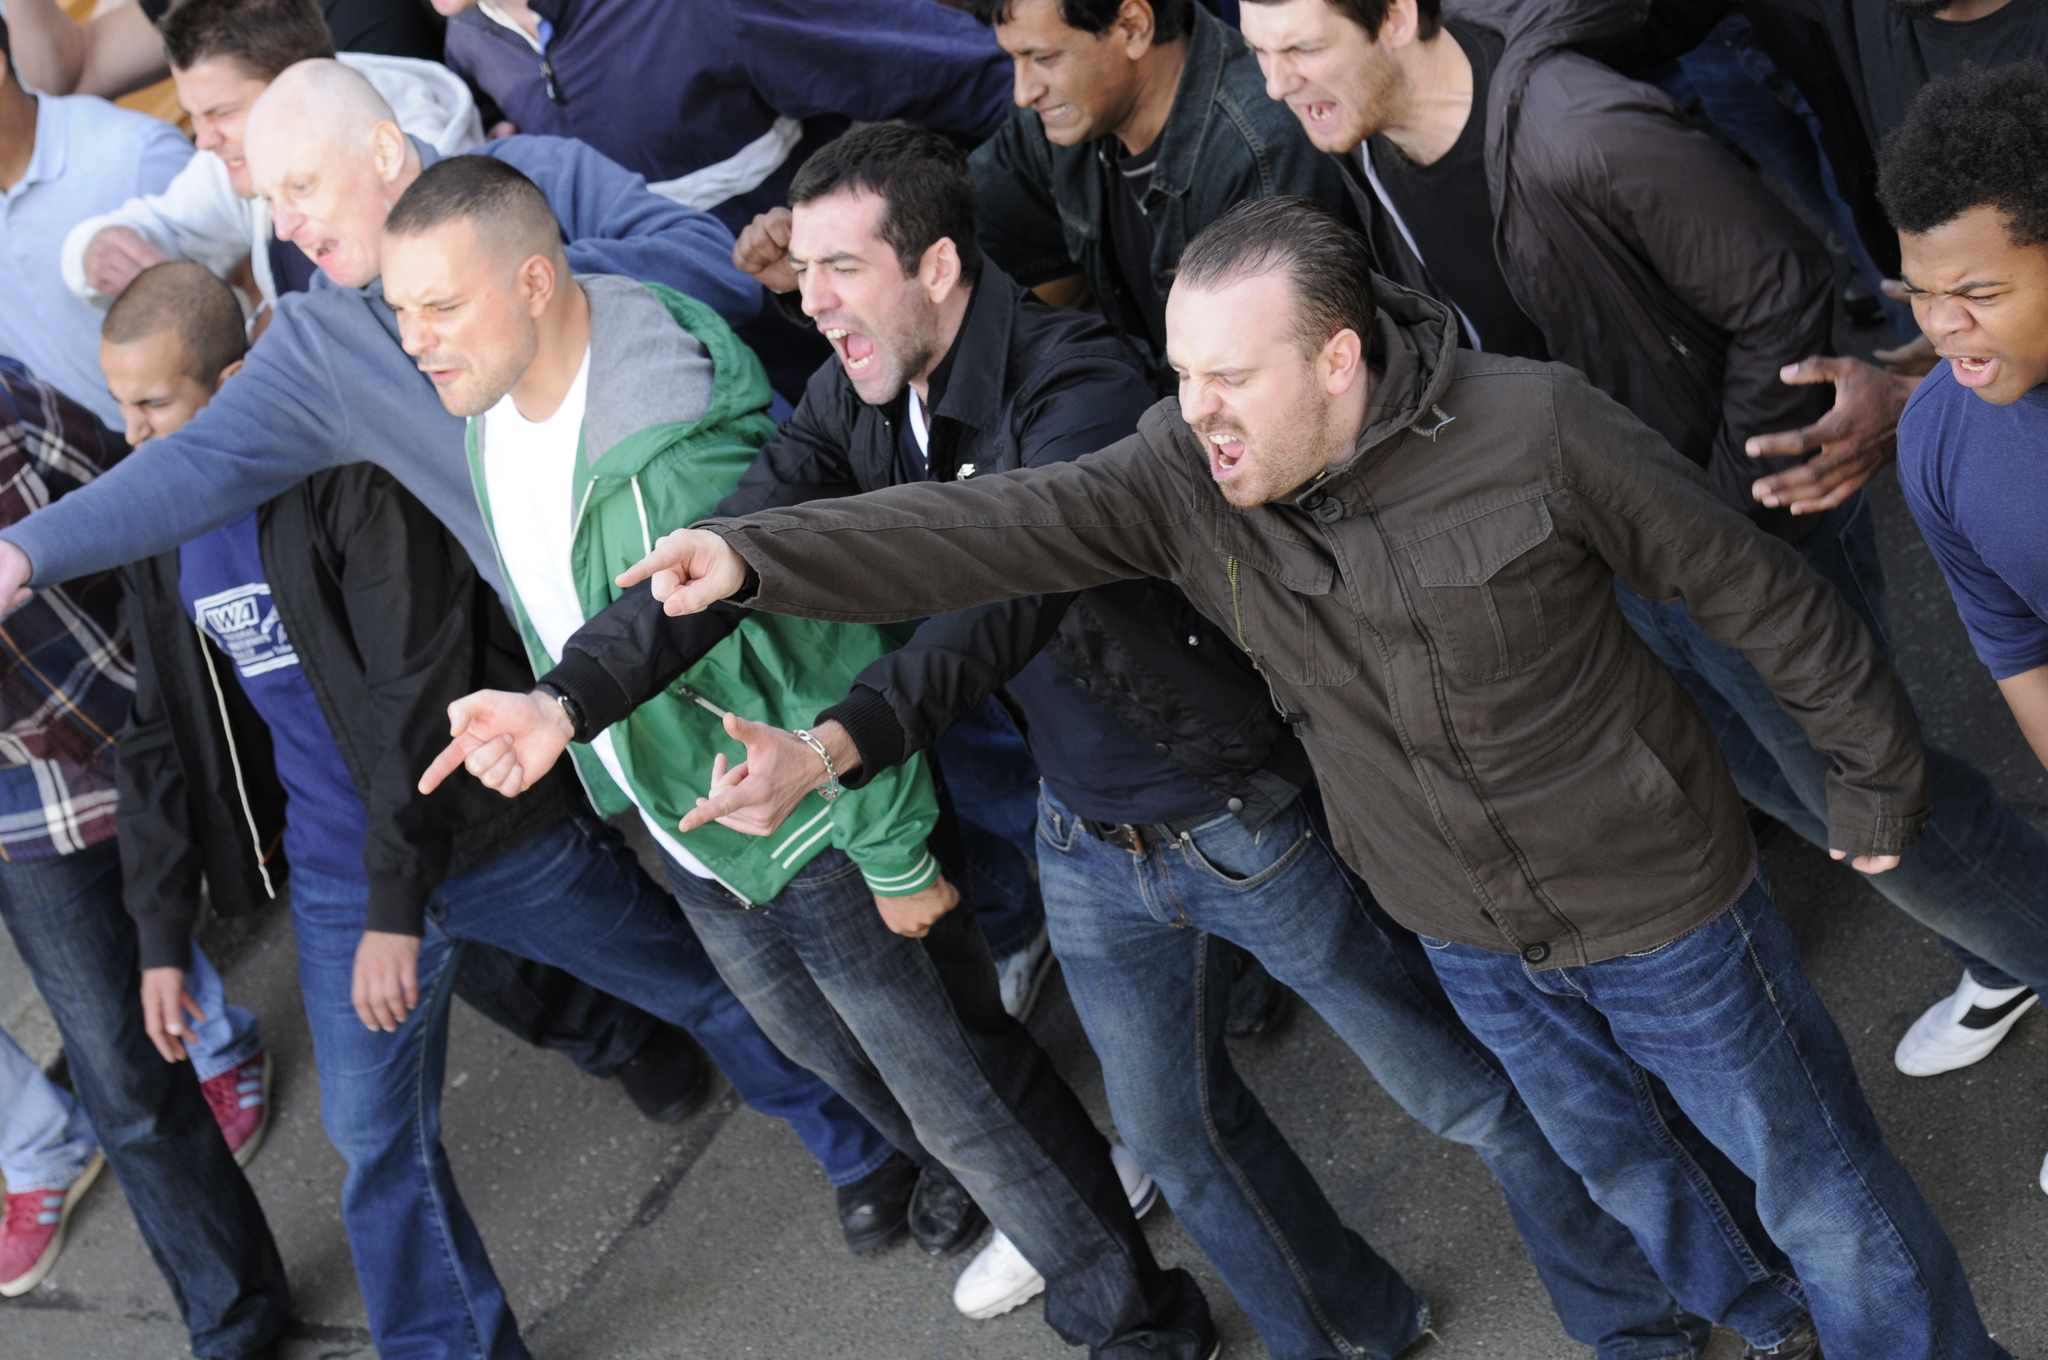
(110, 56)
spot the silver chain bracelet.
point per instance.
(830, 789)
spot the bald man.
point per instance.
(328, 384)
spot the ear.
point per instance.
(230, 371)
(1401, 25)
(1135, 25)
(536, 283)
(939, 271)
(1341, 365)
(387, 151)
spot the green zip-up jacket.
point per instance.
(647, 464)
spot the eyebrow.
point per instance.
(834, 258)
(1966, 286)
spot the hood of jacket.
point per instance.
(1414, 351)
(429, 100)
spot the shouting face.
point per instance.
(1269, 416)
(1341, 84)
(217, 92)
(467, 315)
(882, 320)
(1081, 86)
(1982, 300)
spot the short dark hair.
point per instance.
(1370, 14)
(501, 204)
(1329, 264)
(926, 189)
(1170, 18)
(185, 298)
(1973, 139)
(263, 37)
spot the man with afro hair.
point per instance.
(1965, 180)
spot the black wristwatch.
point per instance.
(571, 710)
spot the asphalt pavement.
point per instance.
(617, 1238)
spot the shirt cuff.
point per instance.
(873, 727)
(166, 941)
(398, 905)
(892, 874)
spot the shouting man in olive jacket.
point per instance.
(1418, 547)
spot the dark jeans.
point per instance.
(1725, 1017)
(573, 897)
(913, 1032)
(197, 1214)
(1978, 875)
(1138, 937)
(994, 788)
(553, 1009)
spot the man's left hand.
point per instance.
(915, 914)
(386, 986)
(1856, 438)
(1868, 864)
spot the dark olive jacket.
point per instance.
(1044, 211)
(1504, 760)
(1652, 260)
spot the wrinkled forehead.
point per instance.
(1242, 322)
(840, 224)
(443, 263)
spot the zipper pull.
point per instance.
(547, 71)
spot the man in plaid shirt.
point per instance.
(66, 678)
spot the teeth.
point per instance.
(1975, 365)
(861, 362)
(837, 333)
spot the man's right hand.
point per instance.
(165, 1004)
(692, 570)
(508, 741)
(763, 251)
(757, 795)
(15, 571)
(115, 256)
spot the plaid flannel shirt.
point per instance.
(67, 673)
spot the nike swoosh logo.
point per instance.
(1984, 1017)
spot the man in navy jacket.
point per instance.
(328, 383)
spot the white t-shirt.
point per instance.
(529, 471)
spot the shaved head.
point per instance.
(327, 153)
(508, 213)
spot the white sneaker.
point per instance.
(1023, 975)
(1000, 1279)
(1961, 1029)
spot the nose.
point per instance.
(1198, 400)
(138, 430)
(1280, 80)
(817, 295)
(205, 135)
(1027, 89)
(1943, 316)
(412, 336)
(285, 221)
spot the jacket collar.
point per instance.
(1416, 339)
(980, 357)
(1194, 104)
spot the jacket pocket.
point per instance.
(1651, 787)
(1481, 580)
(1286, 609)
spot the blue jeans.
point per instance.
(573, 897)
(197, 1214)
(1138, 935)
(229, 1036)
(994, 788)
(913, 1032)
(1725, 1017)
(45, 1138)
(1978, 875)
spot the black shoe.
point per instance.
(1258, 1003)
(1189, 1334)
(943, 1217)
(875, 1208)
(1803, 1344)
(669, 1077)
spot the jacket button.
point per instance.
(1535, 953)
(1314, 501)
(1330, 511)
(1161, 747)
(1234, 805)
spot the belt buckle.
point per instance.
(1129, 837)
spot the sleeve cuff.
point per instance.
(166, 941)
(583, 679)
(900, 876)
(874, 728)
(398, 905)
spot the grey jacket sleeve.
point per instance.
(927, 548)
(1656, 521)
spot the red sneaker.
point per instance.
(32, 1234)
(241, 1105)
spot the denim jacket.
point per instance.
(1043, 213)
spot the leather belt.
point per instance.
(1139, 838)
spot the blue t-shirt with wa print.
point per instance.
(220, 576)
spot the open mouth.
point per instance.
(1972, 370)
(1226, 450)
(856, 351)
(1318, 113)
